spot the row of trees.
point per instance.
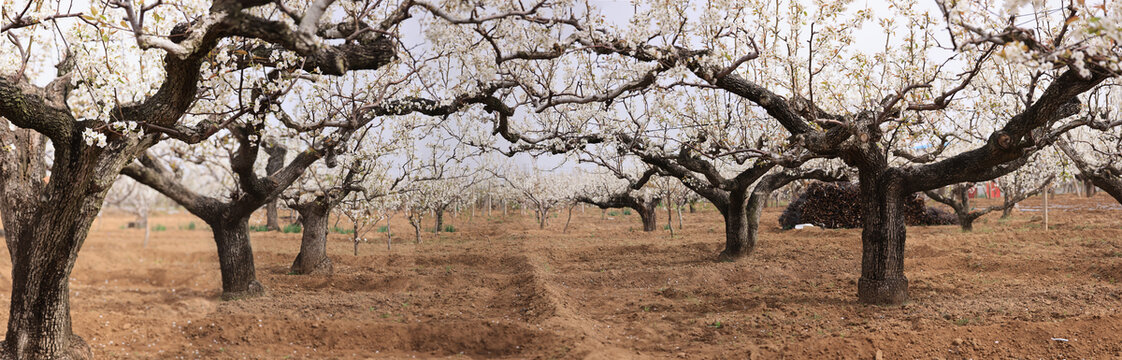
(329, 105)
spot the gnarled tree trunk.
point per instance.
(45, 225)
(740, 228)
(43, 253)
(235, 258)
(648, 216)
(882, 239)
(312, 258)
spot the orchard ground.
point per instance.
(502, 288)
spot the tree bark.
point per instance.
(542, 213)
(415, 221)
(272, 223)
(235, 258)
(46, 222)
(669, 218)
(740, 228)
(43, 255)
(882, 239)
(1088, 188)
(312, 258)
(272, 166)
(648, 215)
(439, 221)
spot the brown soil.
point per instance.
(605, 290)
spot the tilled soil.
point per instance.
(500, 287)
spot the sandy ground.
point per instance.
(500, 287)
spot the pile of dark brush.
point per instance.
(838, 205)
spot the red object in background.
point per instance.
(992, 191)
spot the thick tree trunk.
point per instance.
(740, 226)
(45, 225)
(1108, 182)
(235, 259)
(648, 215)
(39, 314)
(882, 239)
(312, 258)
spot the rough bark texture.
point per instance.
(740, 228)
(46, 223)
(312, 258)
(728, 195)
(882, 240)
(648, 216)
(235, 258)
(39, 314)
